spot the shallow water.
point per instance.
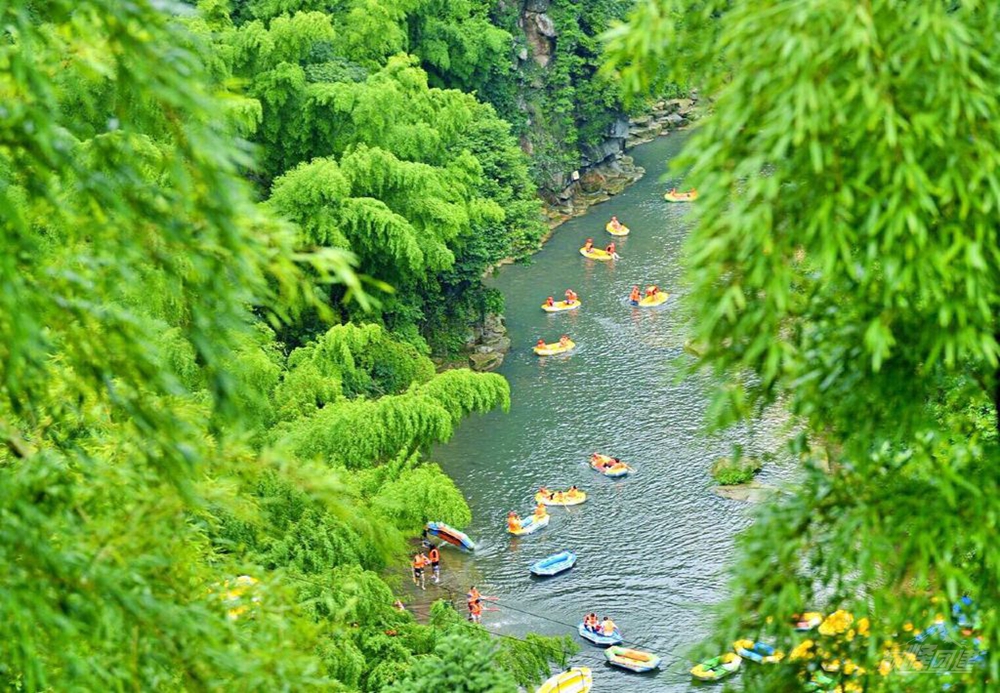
(652, 548)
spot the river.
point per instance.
(652, 548)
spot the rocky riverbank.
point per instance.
(614, 170)
(606, 178)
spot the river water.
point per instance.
(652, 548)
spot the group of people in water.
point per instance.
(609, 248)
(421, 560)
(563, 341)
(604, 462)
(515, 523)
(603, 626)
(637, 295)
(573, 492)
(571, 298)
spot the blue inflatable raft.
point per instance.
(451, 535)
(599, 639)
(555, 564)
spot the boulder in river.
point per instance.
(488, 361)
(754, 492)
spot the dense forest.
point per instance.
(233, 233)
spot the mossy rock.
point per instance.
(728, 471)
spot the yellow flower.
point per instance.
(801, 650)
(884, 668)
(908, 627)
(863, 626)
(836, 623)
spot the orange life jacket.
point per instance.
(435, 555)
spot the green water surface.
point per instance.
(652, 548)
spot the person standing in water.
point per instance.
(418, 570)
(435, 558)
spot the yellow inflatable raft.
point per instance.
(689, 196)
(563, 498)
(596, 254)
(555, 348)
(622, 230)
(576, 680)
(529, 526)
(560, 306)
(657, 299)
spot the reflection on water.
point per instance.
(651, 548)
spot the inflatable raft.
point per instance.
(555, 348)
(564, 498)
(596, 254)
(600, 639)
(717, 667)
(633, 660)
(689, 196)
(807, 621)
(530, 526)
(758, 652)
(576, 680)
(554, 564)
(622, 230)
(451, 535)
(617, 470)
(657, 299)
(560, 306)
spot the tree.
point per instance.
(845, 263)
(151, 537)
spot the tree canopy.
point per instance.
(844, 264)
(171, 517)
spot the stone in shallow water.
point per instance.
(754, 492)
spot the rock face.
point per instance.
(539, 31)
(665, 117)
(488, 343)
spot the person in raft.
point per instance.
(615, 224)
(610, 249)
(513, 521)
(634, 297)
(608, 626)
(540, 511)
(550, 302)
(590, 622)
(418, 570)
(435, 559)
(564, 340)
(540, 344)
(589, 245)
(573, 491)
(570, 296)
(601, 462)
(652, 290)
